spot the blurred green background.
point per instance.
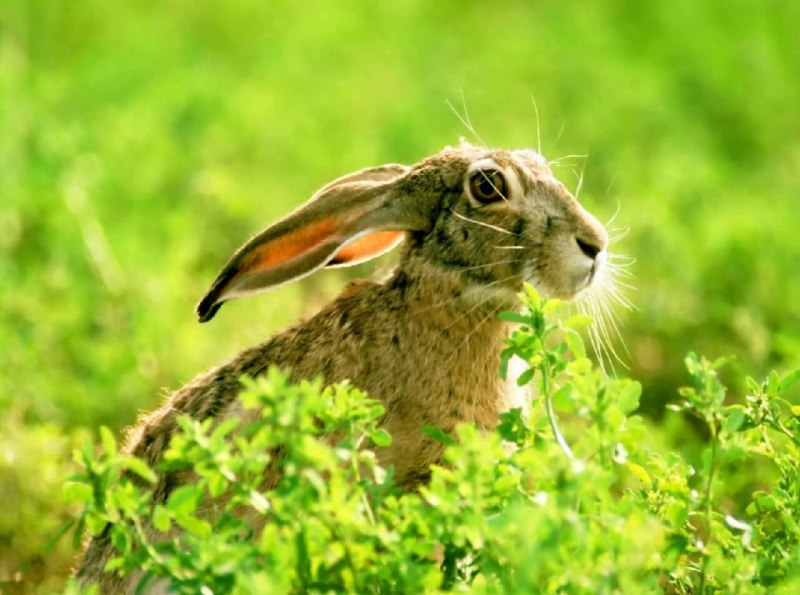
(141, 142)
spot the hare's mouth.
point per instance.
(594, 271)
(566, 282)
(587, 280)
(588, 269)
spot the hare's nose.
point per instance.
(590, 250)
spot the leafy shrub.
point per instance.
(597, 507)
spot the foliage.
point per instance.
(527, 508)
(34, 461)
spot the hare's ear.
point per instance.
(350, 220)
(373, 244)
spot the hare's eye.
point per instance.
(488, 186)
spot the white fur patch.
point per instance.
(481, 294)
(518, 396)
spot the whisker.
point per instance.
(484, 224)
(617, 267)
(618, 256)
(464, 268)
(538, 127)
(618, 234)
(619, 270)
(610, 186)
(605, 331)
(604, 354)
(464, 315)
(459, 349)
(610, 323)
(619, 274)
(612, 282)
(460, 296)
(465, 120)
(619, 263)
(560, 132)
(615, 292)
(606, 341)
(584, 308)
(614, 216)
(495, 188)
(488, 264)
(572, 156)
(611, 287)
(613, 320)
(580, 180)
(574, 171)
(612, 328)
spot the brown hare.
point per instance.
(425, 341)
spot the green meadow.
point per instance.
(142, 142)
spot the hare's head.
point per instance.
(493, 218)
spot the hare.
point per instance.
(425, 341)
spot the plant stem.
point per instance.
(551, 414)
(709, 508)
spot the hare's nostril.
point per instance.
(589, 250)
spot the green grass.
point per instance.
(143, 141)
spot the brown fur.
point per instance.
(426, 341)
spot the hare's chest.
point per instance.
(444, 396)
(442, 401)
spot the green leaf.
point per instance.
(194, 525)
(526, 376)
(161, 518)
(138, 467)
(575, 344)
(77, 493)
(629, 397)
(380, 437)
(789, 522)
(753, 386)
(184, 500)
(551, 306)
(438, 435)
(95, 523)
(580, 366)
(77, 535)
(121, 540)
(533, 296)
(515, 317)
(736, 416)
(226, 427)
(641, 473)
(774, 384)
(790, 379)
(506, 355)
(303, 561)
(57, 535)
(578, 321)
(114, 563)
(108, 441)
(764, 502)
(562, 397)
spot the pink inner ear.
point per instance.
(289, 246)
(366, 247)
